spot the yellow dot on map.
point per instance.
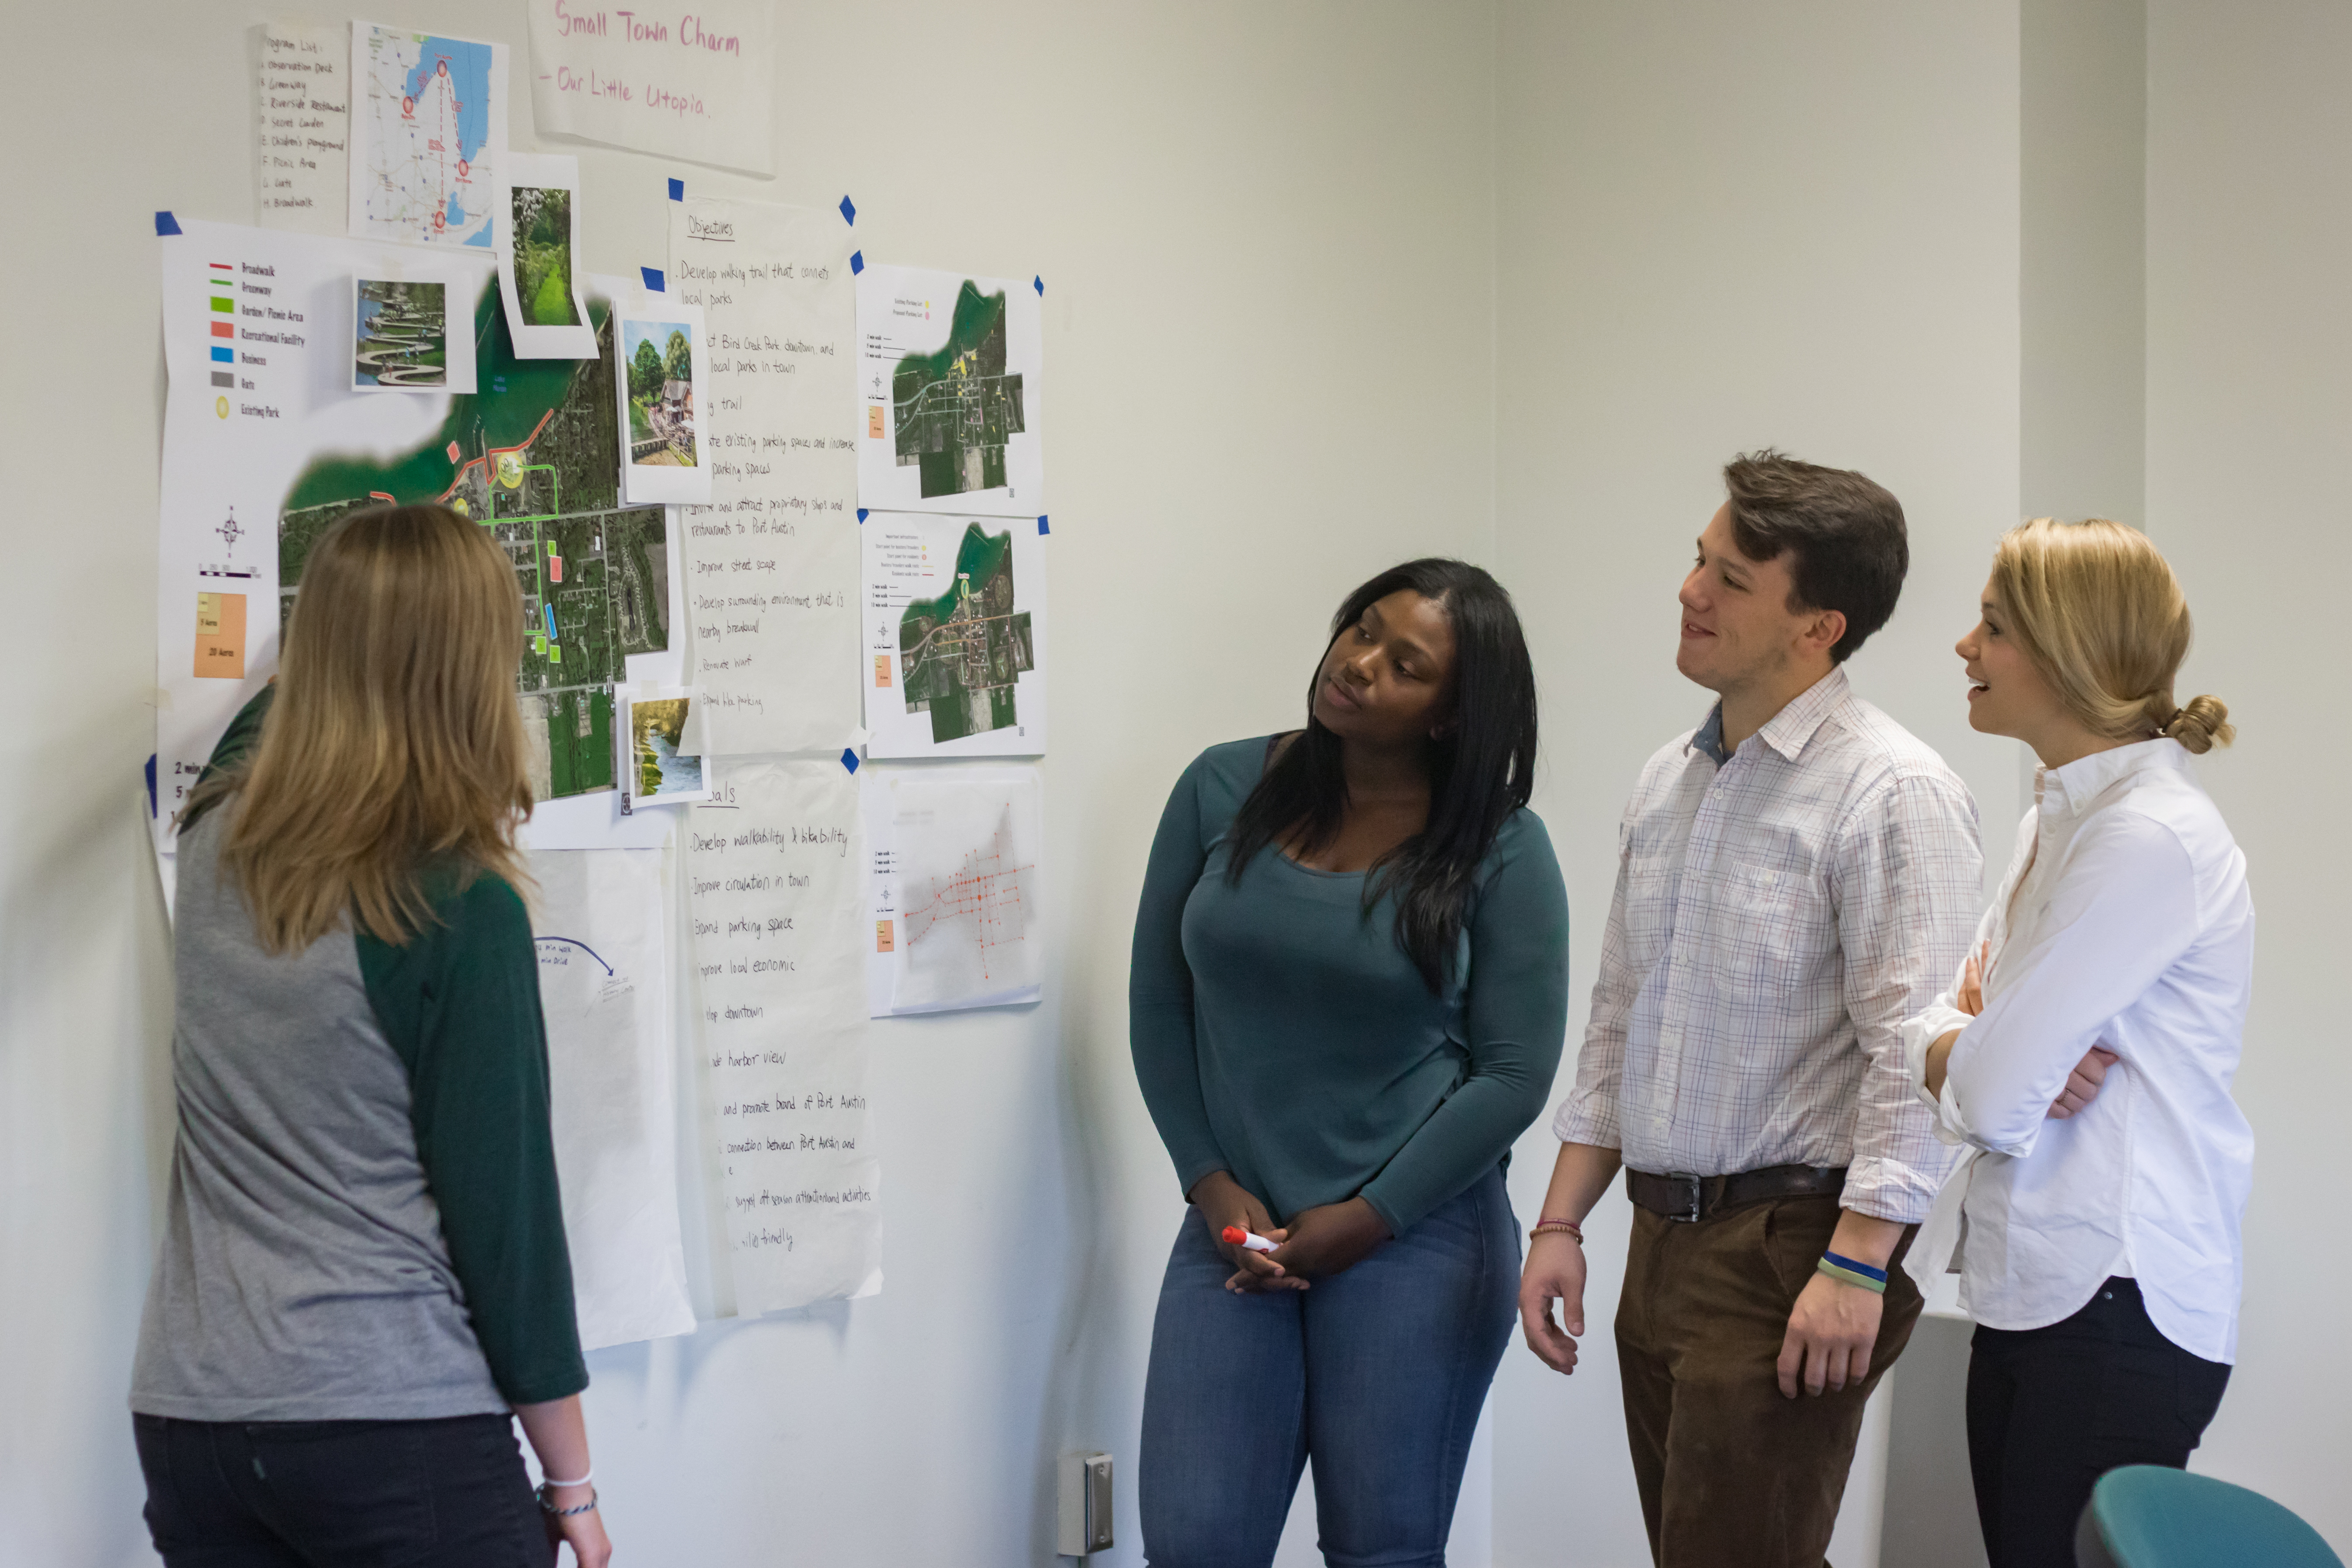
(510, 470)
(460, 508)
(220, 406)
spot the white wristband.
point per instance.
(548, 1480)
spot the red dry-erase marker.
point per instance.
(1236, 1236)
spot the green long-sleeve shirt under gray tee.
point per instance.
(364, 1221)
(1281, 1032)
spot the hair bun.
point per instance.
(2203, 723)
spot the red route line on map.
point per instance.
(972, 892)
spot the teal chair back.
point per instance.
(2145, 1516)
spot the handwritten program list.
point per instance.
(302, 126)
(772, 563)
(772, 893)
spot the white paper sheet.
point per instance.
(603, 984)
(773, 877)
(539, 284)
(953, 886)
(950, 376)
(269, 437)
(697, 84)
(662, 394)
(772, 564)
(428, 137)
(954, 660)
(302, 126)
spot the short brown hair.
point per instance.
(1844, 530)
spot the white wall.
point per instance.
(1724, 225)
(1266, 234)
(2249, 338)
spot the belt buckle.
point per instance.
(1692, 1184)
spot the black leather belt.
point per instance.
(1691, 1198)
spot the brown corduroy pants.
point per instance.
(1732, 1474)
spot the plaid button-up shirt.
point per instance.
(1780, 910)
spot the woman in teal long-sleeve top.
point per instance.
(1348, 993)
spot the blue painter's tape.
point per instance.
(1040, 525)
(848, 212)
(166, 224)
(856, 262)
(678, 189)
(223, 356)
(150, 783)
(1038, 284)
(861, 514)
(849, 758)
(652, 280)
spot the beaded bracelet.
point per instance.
(1847, 1271)
(1569, 1226)
(548, 1508)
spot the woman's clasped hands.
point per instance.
(1327, 1239)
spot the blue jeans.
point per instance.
(1377, 1376)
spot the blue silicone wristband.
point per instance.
(1864, 1269)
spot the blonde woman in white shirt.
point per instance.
(2085, 1052)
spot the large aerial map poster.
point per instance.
(954, 614)
(266, 445)
(532, 460)
(428, 129)
(948, 368)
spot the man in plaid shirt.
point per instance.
(1795, 878)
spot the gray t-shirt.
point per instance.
(303, 1274)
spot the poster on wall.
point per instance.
(697, 84)
(773, 559)
(267, 444)
(428, 137)
(659, 368)
(953, 888)
(538, 276)
(774, 865)
(954, 658)
(600, 930)
(949, 374)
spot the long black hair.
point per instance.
(1481, 764)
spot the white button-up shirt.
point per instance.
(2125, 921)
(1779, 911)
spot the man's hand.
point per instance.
(1223, 1201)
(2082, 1083)
(1330, 1238)
(1834, 1326)
(1555, 1272)
(1830, 1337)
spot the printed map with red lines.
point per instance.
(984, 901)
(427, 158)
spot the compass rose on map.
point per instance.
(230, 533)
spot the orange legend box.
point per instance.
(881, 671)
(874, 421)
(883, 930)
(220, 636)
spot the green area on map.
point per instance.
(955, 408)
(537, 462)
(961, 654)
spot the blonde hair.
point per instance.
(394, 743)
(2098, 611)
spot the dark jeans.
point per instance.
(2051, 1410)
(349, 1494)
(1377, 1375)
(1733, 1475)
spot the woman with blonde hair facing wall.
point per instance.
(363, 1275)
(2085, 1051)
